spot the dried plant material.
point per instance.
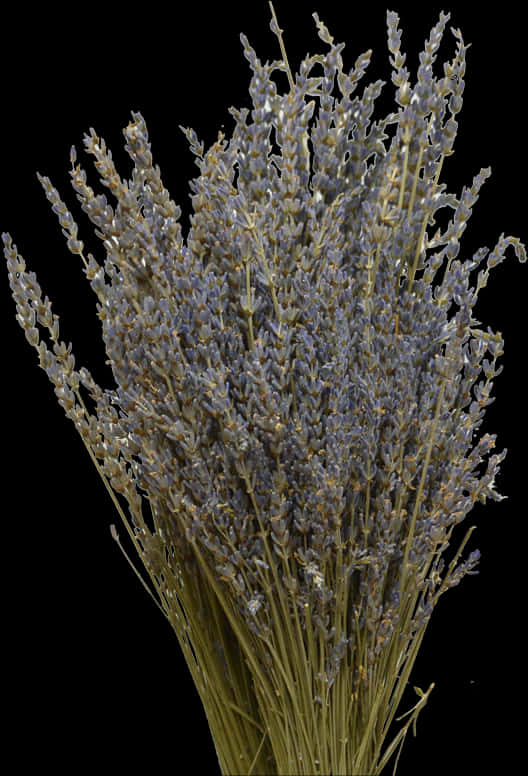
(298, 389)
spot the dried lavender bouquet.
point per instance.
(298, 387)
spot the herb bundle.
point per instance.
(299, 383)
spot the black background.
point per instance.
(93, 674)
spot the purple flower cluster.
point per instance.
(300, 381)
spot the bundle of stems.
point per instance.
(290, 442)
